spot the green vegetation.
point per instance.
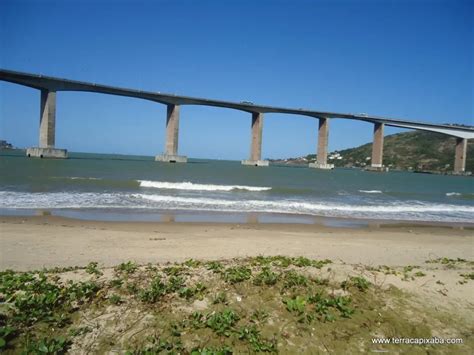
(265, 304)
(416, 150)
(92, 269)
(215, 266)
(56, 345)
(129, 267)
(266, 277)
(357, 281)
(469, 276)
(237, 274)
(451, 263)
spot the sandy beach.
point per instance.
(48, 241)
(429, 264)
(33, 243)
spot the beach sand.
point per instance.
(431, 264)
(47, 241)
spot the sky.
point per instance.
(401, 59)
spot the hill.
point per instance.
(416, 150)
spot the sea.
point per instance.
(136, 188)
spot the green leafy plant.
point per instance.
(237, 274)
(192, 263)
(196, 291)
(323, 305)
(409, 268)
(301, 261)
(320, 263)
(175, 283)
(221, 297)
(215, 266)
(282, 261)
(115, 299)
(293, 279)
(175, 270)
(56, 345)
(116, 283)
(92, 269)
(157, 345)
(7, 334)
(156, 290)
(129, 267)
(296, 304)
(266, 277)
(251, 334)
(222, 322)
(224, 350)
(79, 331)
(356, 281)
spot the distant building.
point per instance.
(5, 145)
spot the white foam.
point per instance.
(198, 187)
(453, 194)
(76, 178)
(408, 210)
(84, 178)
(296, 206)
(371, 191)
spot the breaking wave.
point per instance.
(198, 187)
(414, 210)
(371, 191)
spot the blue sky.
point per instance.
(402, 59)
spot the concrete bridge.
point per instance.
(50, 85)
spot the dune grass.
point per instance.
(263, 304)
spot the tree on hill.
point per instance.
(415, 150)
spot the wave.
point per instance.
(294, 206)
(198, 187)
(460, 196)
(371, 191)
(83, 178)
(75, 178)
(414, 210)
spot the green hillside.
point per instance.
(415, 150)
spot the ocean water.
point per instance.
(135, 187)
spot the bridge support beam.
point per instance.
(322, 153)
(460, 156)
(377, 148)
(172, 134)
(256, 142)
(47, 129)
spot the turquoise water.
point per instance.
(136, 187)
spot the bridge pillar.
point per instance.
(47, 130)
(377, 148)
(256, 142)
(172, 135)
(460, 156)
(322, 154)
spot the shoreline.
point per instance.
(35, 242)
(211, 217)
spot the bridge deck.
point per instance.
(42, 82)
